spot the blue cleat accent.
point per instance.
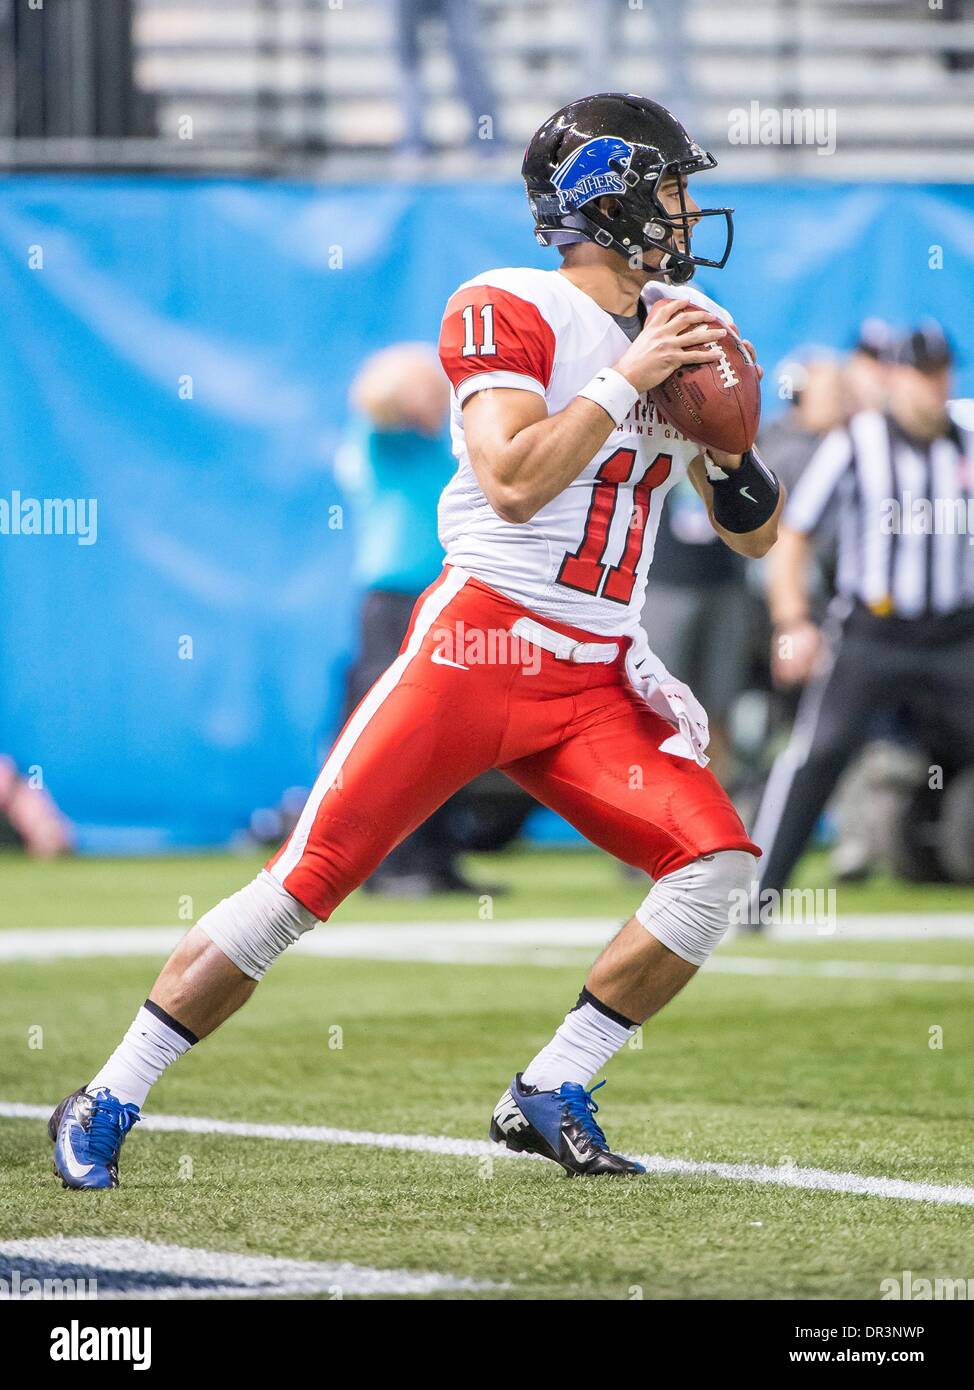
(559, 1125)
(88, 1132)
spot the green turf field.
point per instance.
(568, 883)
(787, 1068)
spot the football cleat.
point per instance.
(87, 1132)
(559, 1125)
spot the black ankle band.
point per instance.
(587, 997)
(171, 1022)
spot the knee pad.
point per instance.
(690, 909)
(254, 926)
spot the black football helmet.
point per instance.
(623, 146)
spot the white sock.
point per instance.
(147, 1049)
(581, 1047)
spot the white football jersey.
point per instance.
(583, 558)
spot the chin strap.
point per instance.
(678, 273)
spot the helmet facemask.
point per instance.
(644, 223)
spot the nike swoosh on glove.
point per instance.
(671, 700)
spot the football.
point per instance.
(715, 403)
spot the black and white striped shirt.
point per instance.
(905, 511)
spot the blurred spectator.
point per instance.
(697, 612)
(872, 791)
(463, 27)
(952, 12)
(29, 818)
(393, 466)
(601, 41)
(823, 391)
(811, 381)
(899, 641)
(867, 370)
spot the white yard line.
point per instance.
(905, 971)
(808, 1179)
(64, 943)
(551, 942)
(127, 1267)
(880, 926)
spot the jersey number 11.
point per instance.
(586, 569)
(487, 347)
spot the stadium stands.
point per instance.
(316, 73)
(288, 83)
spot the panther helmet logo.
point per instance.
(587, 172)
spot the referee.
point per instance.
(899, 635)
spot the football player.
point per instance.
(526, 652)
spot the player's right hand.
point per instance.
(796, 649)
(674, 335)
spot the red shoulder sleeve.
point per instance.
(486, 329)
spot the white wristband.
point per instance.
(610, 389)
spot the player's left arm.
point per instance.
(757, 486)
(751, 492)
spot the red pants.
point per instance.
(464, 695)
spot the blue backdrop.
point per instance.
(180, 352)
